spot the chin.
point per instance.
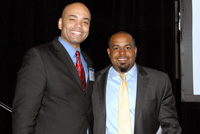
(123, 69)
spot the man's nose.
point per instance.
(78, 24)
(122, 52)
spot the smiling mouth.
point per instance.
(76, 33)
(122, 59)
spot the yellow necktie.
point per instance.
(124, 119)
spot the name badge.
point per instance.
(91, 74)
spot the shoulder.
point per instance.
(45, 48)
(152, 73)
(102, 72)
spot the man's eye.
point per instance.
(71, 19)
(115, 48)
(85, 22)
(128, 48)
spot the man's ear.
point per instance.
(135, 49)
(60, 24)
(108, 51)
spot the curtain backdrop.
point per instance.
(25, 24)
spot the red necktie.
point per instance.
(80, 70)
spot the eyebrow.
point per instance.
(77, 17)
(115, 45)
(129, 45)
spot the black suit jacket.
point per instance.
(155, 103)
(49, 98)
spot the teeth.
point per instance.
(78, 33)
(122, 59)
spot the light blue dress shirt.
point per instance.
(112, 94)
(72, 53)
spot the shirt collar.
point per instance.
(71, 50)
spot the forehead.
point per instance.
(78, 10)
(121, 38)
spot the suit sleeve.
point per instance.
(168, 115)
(29, 92)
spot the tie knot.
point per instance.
(123, 76)
(77, 54)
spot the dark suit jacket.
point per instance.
(155, 103)
(49, 98)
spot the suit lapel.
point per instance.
(62, 53)
(142, 82)
(102, 89)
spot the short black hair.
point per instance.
(123, 32)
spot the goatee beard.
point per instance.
(123, 69)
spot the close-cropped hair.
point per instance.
(123, 32)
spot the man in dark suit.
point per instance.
(151, 101)
(50, 97)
